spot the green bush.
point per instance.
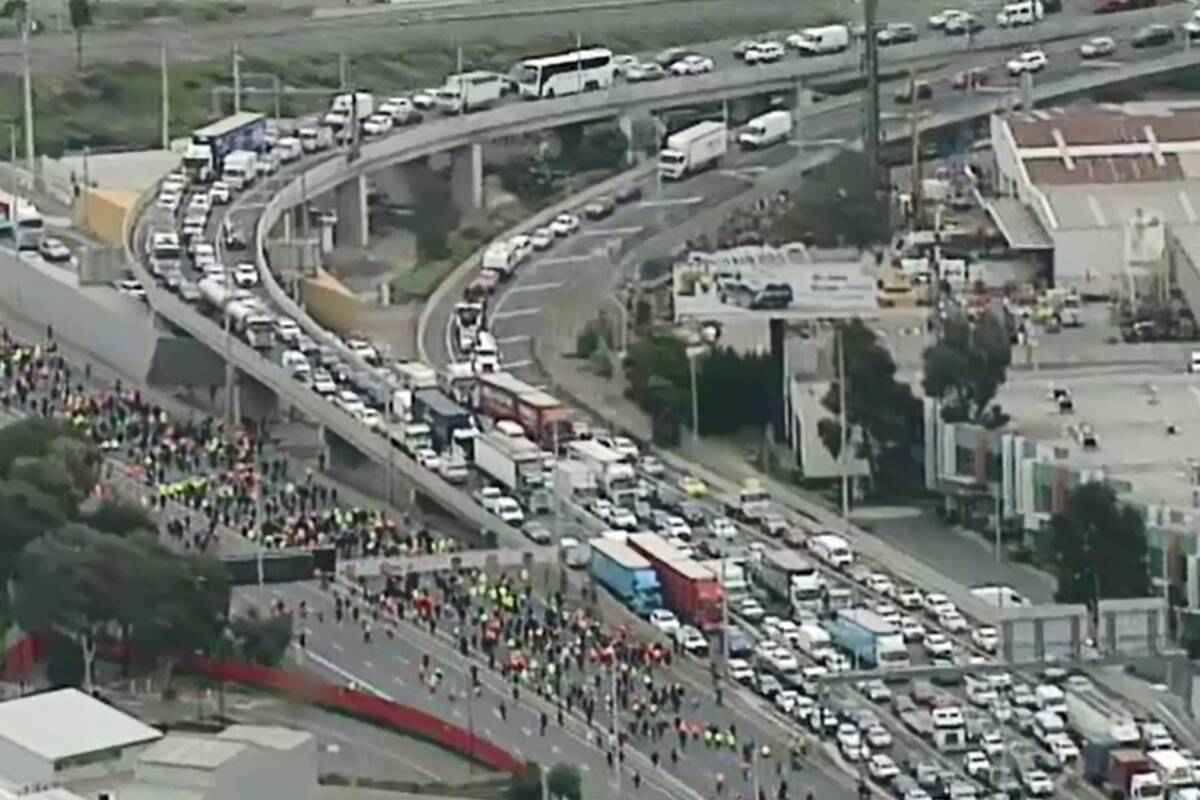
(601, 364)
(587, 341)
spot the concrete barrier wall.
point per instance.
(102, 213)
(330, 303)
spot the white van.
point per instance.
(290, 148)
(314, 138)
(1051, 698)
(820, 41)
(486, 355)
(766, 129)
(1027, 12)
(501, 257)
(240, 169)
(832, 549)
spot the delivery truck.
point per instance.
(469, 91)
(627, 574)
(443, 416)
(502, 396)
(751, 503)
(790, 577)
(614, 476)
(205, 153)
(869, 639)
(821, 41)
(766, 129)
(688, 589)
(693, 149)
(513, 462)
(1130, 775)
(1174, 770)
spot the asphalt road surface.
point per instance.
(266, 36)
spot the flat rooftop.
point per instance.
(1129, 412)
(67, 723)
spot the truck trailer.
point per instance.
(1130, 774)
(869, 639)
(513, 462)
(789, 576)
(731, 574)
(693, 149)
(614, 476)
(688, 589)
(627, 574)
(502, 396)
(443, 416)
(205, 154)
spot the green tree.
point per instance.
(966, 366)
(29, 437)
(28, 513)
(1099, 547)
(81, 17)
(262, 640)
(527, 784)
(838, 204)
(658, 375)
(565, 782)
(882, 409)
(120, 517)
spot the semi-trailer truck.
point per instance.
(791, 577)
(688, 589)
(206, 152)
(731, 574)
(869, 639)
(444, 417)
(513, 462)
(502, 396)
(627, 574)
(614, 476)
(693, 149)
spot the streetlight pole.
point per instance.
(27, 92)
(843, 433)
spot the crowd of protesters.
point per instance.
(213, 473)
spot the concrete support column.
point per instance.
(353, 227)
(804, 101)
(466, 178)
(322, 447)
(233, 400)
(1027, 91)
(285, 222)
(625, 123)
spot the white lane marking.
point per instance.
(398, 679)
(368, 665)
(338, 646)
(612, 231)
(745, 171)
(513, 340)
(524, 312)
(402, 659)
(563, 260)
(535, 287)
(524, 362)
(672, 201)
(350, 676)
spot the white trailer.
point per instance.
(693, 149)
(791, 577)
(766, 129)
(614, 477)
(512, 461)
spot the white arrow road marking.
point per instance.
(524, 312)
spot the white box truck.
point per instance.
(513, 462)
(693, 149)
(766, 129)
(821, 41)
(240, 169)
(469, 91)
(791, 577)
(343, 110)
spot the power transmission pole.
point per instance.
(871, 68)
(166, 98)
(30, 155)
(237, 80)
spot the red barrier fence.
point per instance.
(22, 657)
(362, 705)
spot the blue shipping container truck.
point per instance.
(869, 639)
(627, 574)
(441, 414)
(245, 130)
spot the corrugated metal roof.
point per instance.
(68, 723)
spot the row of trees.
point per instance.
(84, 570)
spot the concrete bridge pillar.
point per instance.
(1027, 91)
(323, 456)
(353, 227)
(625, 123)
(466, 178)
(804, 102)
(233, 399)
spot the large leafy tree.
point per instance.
(966, 366)
(838, 204)
(1099, 547)
(883, 415)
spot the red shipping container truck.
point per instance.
(501, 396)
(689, 589)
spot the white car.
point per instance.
(378, 124)
(992, 742)
(1062, 748)
(287, 330)
(737, 669)
(692, 65)
(1029, 61)
(750, 609)
(889, 613)
(879, 737)
(691, 640)
(428, 458)
(542, 238)
(986, 638)
(201, 201)
(425, 98)
(350, 402)
(623, 518)
(882, 768)
(763, 52)
(651, 466)
(677, 527)
(952, 620)
(875, 690)
(364, 350)
(935, 601)
(1098, 47)
(509, 510)
(219, 192)
(849, 741)
(602, 509)
(245, 275)
(664, 620)
(786, 699)
(879, 582)
(371, 418)
(938, 645)
(722, 528)
(53, 250)
(487, 497)
(1038, 783)
(910, 598)
(976, 764)
(131, 288)
(564, 224)
(939, 20)
(169, 201)
(623, 445)
(912, 629)
(323, 383)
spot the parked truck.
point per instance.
(869, 639)
(790, 577)
(443, 416)
(614, 476)
(513, 462)
(502, 396)
(688, 589)
(693, 149)
(627, 574)
(766, 129)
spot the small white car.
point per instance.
(879, 737)
(722, 528)
(624, 447)
(992, 742)
(1098, 47)
(939, 20)
(879, 582)
(509, 510)
(487, 497)
(986, 638)
(691, 640)
(542, 238)
(350, 402)
(765, 52)
(131, 288)
(651, 466)
(677, 527)
(938, 645)
(623, 519)
(371, 418)
(564, 224)
(323, 383)
(378, 124)
(53, 250)
(602, 509)
(750, 609)
(952, 620)
(219, 193)
(849, 741)
(1038, 783)
(1029, 61)
(428, 458)
(910, 598)
(875, 690)
(976, 764)
(245, 275)
(737, 669)
(882, 768)
(664, 620)
(169, 201)
(786, 699)
(692, 65)
(911, 629)
(287, 330)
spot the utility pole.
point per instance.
(166, 97)
(30, 155)
(237, 80)
(871, 67)
(843, 433)
(342, 71)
